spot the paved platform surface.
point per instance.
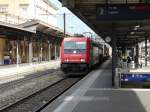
(13, 72)
(94, 93)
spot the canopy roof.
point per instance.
(128, 32)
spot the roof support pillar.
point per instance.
(49, 49)
(17, 51)
(132, 50)
(114, 58)
(145, 51)
(55, 51)
(137, 54)
(30, 50)
(41, 50)
(64, 16)
(124, 51)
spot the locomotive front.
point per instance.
(75, 55)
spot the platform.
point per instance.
(13, 72)
(94, 93)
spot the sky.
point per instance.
(73, 23)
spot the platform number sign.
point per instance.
(123, 11)
(102, 11)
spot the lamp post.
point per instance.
(64, 16)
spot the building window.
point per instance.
(3, 8)
(24, 9)
(45, 11)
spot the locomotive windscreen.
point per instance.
(74, 47)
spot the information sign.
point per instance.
(123, 11)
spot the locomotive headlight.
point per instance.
(82, 60)
(66, 60)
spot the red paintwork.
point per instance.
(76, 58)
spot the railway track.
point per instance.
(17, 90)
(40, 99)
(27, 78)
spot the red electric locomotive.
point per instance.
(79, 54)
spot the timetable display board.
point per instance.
(122, 11)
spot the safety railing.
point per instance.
(128, 72)
(12, 19)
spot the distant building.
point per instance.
(20, 11)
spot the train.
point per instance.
(80, 54)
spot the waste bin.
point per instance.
(6, 60)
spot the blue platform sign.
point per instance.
(122, 11)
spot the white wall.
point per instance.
(40, 12)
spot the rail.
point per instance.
(37, 101)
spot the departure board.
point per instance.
(123, 11)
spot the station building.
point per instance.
(23, 45)
(20, 11)
(39, 38)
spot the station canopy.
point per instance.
(40, 26)
(127, 20)
(13, 31)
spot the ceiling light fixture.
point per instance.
(132, 33)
